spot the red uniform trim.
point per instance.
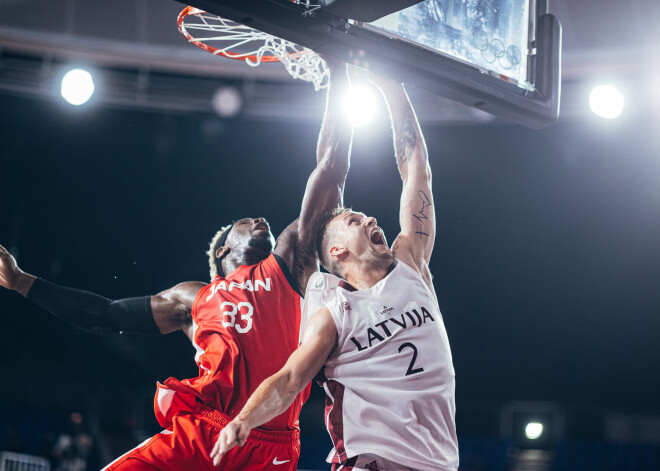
(347, 466)
(334, 418)
(272, 261)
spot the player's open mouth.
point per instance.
(377, 238)
(262, 226)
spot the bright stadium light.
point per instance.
(606, 101)
(77, 86)
(227, 102)
(360, 105)
(533, 430)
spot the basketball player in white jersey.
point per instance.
(374, 334)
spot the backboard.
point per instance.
(501, 56)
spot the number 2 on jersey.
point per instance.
(229, 310)
(411, 369)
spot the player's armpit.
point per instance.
(300, 261)
(172, 308)
(401, 249)
(404, 249)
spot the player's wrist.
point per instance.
(23, 283)
(243, 423)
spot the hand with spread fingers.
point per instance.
(234, 434)
(12, 277)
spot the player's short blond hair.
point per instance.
(214, 262)
(325, 237)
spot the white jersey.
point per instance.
(389, 382)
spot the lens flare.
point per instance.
(360, 105)
(606, 101)
(533, 430)
(77, 87)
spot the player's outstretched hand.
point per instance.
(12, 277)
(9, 271)
(234, 434)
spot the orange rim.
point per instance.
(214, 50)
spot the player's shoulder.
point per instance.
(275, 269)
(320, 292)
(288, 238)
(298, 255)
(416, 268)
(184, 290)
(191, 285)
(323, 284)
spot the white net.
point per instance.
(227, 38)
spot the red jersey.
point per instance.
(245, 327)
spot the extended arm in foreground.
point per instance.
(277, 393)
(168, 311)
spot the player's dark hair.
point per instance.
(322, 238)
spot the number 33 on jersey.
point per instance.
(229, 312)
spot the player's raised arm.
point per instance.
(325, 186)
(165, 312)
(276, 393)
(417, 214)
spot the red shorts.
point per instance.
(187, 444)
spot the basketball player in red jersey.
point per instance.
(243, 325)
(375, 337)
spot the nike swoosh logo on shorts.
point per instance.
(276, 462)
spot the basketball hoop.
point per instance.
(227, 38)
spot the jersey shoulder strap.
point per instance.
(287, 273)
(321, 289)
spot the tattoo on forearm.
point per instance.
(405, 138)
(420, 215)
